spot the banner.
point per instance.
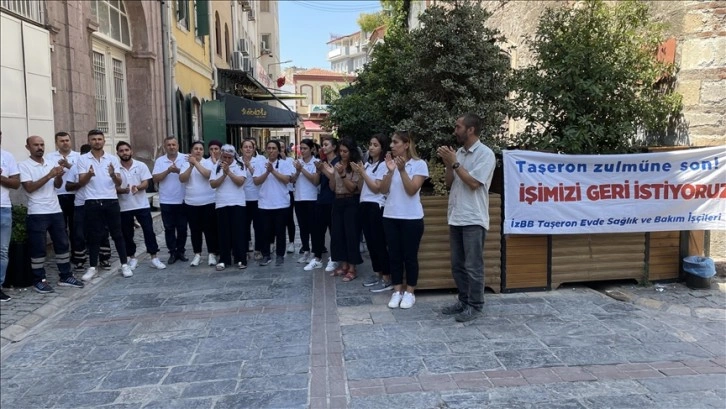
(561, 194)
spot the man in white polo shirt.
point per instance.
(65, 157)
(99, 175)
(171, 198)
(132, 198)
(9, 179)
(469, 173)
(40, 178)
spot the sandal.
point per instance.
(338, 272)
(350, 276)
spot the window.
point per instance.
(265, 42)
(217, 34)
(112, 19)
(182, 13)
(32, 9)
(308, 91)
(265, 5)
(226, 41)
(109, 77)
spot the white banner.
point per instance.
(561, 194)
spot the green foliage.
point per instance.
(19, 233)
(424, 79)
(370, 21)
(437, 177)
(595, 81)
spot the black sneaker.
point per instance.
(279, 260)
(469, 314)
(182, 257)
(4, 297)
(79, 266)
(371, 281)
(381, 287)
(456, 308)
(105, 264)
(70, 281)
(43, 287)
(265, 260)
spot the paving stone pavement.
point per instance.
(281, 337)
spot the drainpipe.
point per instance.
(168, 87)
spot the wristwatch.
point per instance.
(455, 165)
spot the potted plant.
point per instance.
(19, 273)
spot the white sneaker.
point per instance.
(291, 247)
(133, 262)
(395, 300)
(332, 265)
(408, 300)
(212, 260)
(126, 271)
(220, 267)
(195, 261)
(305, 258)
(313, 264)
(90, 273)
(157, 263)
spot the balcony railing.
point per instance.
(31, 9)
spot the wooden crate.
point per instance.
(434, 254)
(664, 255)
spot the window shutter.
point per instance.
(202, 18)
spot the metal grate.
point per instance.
(31, 9)
(119, 88)
(99, 76)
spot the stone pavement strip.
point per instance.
(281, 337)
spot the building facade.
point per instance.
(318, 86)
(349, 53)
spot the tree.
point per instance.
(424, 79)
(596, 81)
(370, 21)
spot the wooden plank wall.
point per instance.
(664, 255)
(434, 253)
(526, 264)
(597, 257)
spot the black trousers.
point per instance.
(232, 237)
(371, 219)
(321, 224)
(345, 231)
(253, 219)
(403, 238)
(79, 239)
(273, 226)
(147, 227)
(291, 219)
(203, 221)
(68, 209)
(175, 227)
(99, 214)
(305, 212)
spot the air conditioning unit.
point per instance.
(251, 15)
(238, 60)
(244, 46)
(246, 64)
(245, 5)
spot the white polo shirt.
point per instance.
(399, 205)
(10, 168)
(72, 158)
(228, 193)
(133, 176)
(273, 193)
(171, 189)
(72, 175)
(376, 172)
(305, 190)
(471, 207)
(291, 161)
(101, 185)
(197, 191)
(44, 200)
(252, 191)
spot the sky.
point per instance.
(306, 26)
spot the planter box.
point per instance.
(434, 254)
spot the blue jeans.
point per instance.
(55, 224)
(175, 227)
(6, 226)
(467, 263)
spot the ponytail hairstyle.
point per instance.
(407, 137)
(310, 144)
(385, 143)
(230, 149)
(333, 142)
(276, 143)
(254, 145)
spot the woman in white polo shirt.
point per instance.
(199, 203)
(228, 178)
(306, 179)
(274, 200)
(403, 215)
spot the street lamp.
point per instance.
(275, 63)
